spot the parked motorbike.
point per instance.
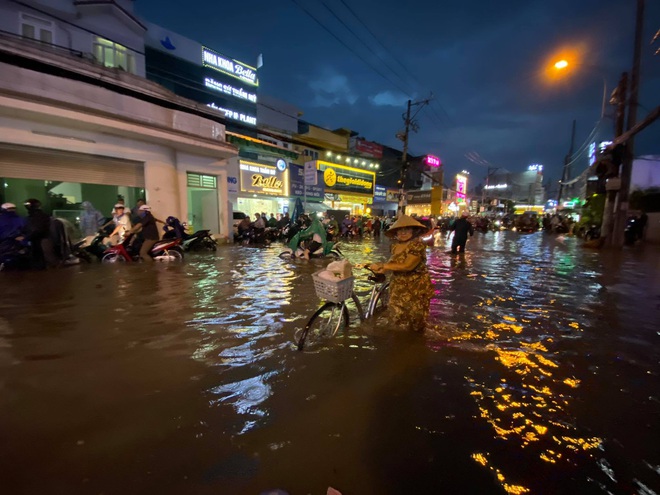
(163, 250)
(202, 240)
(199, 241)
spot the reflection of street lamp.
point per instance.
(562, 64)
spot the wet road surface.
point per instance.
(539, 374)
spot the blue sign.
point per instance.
(380, 194)
(297, 183)
(281, 165)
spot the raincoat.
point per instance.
(315, 228)
(11, 225)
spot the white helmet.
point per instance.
(145, 208)
(8, 206)
(119, 205)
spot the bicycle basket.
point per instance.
(333, 291)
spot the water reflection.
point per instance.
(532, 359)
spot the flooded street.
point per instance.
(539, 374)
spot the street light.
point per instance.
(563, 64)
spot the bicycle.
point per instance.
(333, 314)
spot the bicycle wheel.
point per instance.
(324, 324)
(382, 299)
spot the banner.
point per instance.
(419, 197)
(297, 183)
(369, 148)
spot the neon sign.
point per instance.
(535, 168)
(497, 186)
(461, 188)
(228, 89)
(432, 161)
(234, 115)
(234, 68)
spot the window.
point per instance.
(111, 54)
(311, 153)
(36, 28)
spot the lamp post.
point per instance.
(561, 65)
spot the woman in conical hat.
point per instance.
(410, 284)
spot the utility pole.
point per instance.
(567, 161)
(613, 184)
(410, 124)
(628, 153)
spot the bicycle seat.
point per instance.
(377, 278)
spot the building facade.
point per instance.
(79, 122)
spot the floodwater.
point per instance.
(539, 374)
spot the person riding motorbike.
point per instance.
(11, 224)
(149, 231)
(174, 228)
(315, 232)
(122, 223)
(37, 232)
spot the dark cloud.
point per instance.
(482, 60)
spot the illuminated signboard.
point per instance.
(228, 89)
(595, 152)
(535, 168)
(342, 179)
(262, 179)
(232, 114)
(497, 186)
(432, 161)
(461, 188)
(229, 66)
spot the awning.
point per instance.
(253, 144)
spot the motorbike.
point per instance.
(630, 232)
(163, 250)
(331, 250)
(199, 241)
(14, 255)
(255, 237)
(92, 246)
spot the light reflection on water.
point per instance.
(527, 334)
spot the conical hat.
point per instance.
(406, 221)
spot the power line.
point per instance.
(346, 46)
(350, 30)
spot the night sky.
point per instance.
(483, 60)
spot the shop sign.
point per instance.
(229, 66)
(297, 183)
(232, 184)
(361, 200)
(343, 179)
(418, 197)
(261, 179)
(392, 195)
(369, 148)
(230, 90)
(232, 114)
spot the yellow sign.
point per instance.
(330, 177)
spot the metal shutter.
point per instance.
(56, 165)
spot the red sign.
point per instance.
(432, 161)
(369, 148)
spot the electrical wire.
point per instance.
(347, 47)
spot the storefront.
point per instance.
(347, 188)
(262, 188)
(386, 202)
(419, 203)
(63, 180)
